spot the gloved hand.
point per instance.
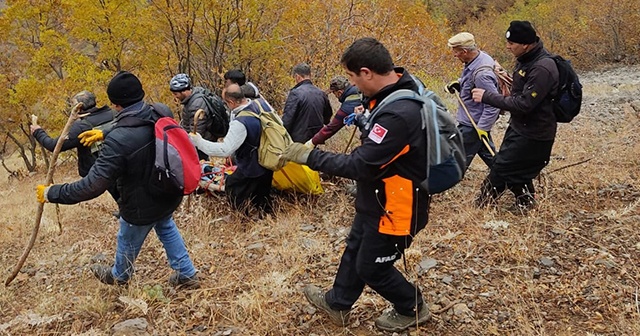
(310, 144)
(452, 87)
(350, 119)
(88, 138)
(41, 193)
(482, 134)
(297, 153)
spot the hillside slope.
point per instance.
(570, 267)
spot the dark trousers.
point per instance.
(202, 155)
(368, 260)
(473, 145)
(243, 190)
(518, 162)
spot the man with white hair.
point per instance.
(476, 125)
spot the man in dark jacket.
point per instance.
(390, 207)
(527, 143)
(307, 108)
(250, 182)
(192, 99)
(127, 156)
(349, 98)
(92, 116)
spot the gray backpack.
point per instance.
(446, 163)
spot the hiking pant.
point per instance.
(473, 145)
(130, 240)
(242, 190)
(368, 260)
(518, 162)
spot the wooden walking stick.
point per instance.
(350, 140)
(52, 165)
(473, 123)
(199, 115)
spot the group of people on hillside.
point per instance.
(391, 208)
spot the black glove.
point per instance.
(452, 87)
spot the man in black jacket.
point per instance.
(92, 116)
(127, 156)
(307, 108)
(390, 207)
(527, 143)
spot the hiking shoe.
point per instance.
(316, 297)
(393, 321)
(103, 273)
(191, 282)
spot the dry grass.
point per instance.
(568, 268)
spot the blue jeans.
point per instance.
(130, 240)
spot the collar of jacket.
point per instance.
(532, 54)
(240, 108)
(132, 110)
(405, 82)
(302, 82)
(350, 90)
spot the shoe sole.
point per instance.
(423, 321)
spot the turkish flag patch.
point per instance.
(377, 133)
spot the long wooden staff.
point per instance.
(52, 165)
(473, 123)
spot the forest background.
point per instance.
(55, 48)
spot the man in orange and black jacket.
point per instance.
(390, 208)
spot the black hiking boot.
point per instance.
(103, 273)
(316, 297)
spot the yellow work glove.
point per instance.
(296, 152)
(41, 193)
(483, 134)
(452, 87)
(88, 138)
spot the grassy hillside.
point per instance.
(568, 268)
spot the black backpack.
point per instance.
(567, 103)
(216, 117)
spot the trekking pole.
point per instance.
(473, 123)
(49, 179)
(197, 116)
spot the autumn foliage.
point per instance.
(54, 48)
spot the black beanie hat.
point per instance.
(125, 89)
(521, 32)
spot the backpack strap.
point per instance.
(425, 100)
(477, 70)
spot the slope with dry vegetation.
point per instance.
(570, 267)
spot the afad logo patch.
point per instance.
(377, 133)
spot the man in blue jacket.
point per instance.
(128, 156)
(477, 73)
(307, 108)
(349, 98)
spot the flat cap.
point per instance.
(462, 40)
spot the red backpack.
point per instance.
(176, 169)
